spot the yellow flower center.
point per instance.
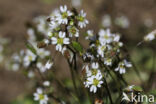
(106, 36)
(81, 18)
(103, 47)
(60, 40)
(95, 82)
(64, 15)
(41, 96)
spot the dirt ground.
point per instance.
(15, 13)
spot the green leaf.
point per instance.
(31, 48)
(77, 46)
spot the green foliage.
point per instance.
(77, 46)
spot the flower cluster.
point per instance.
(105, 48)
(64, 25)
(62, 29)
(40, 96)
(32, 57)
(93, 77)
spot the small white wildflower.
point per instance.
(94, 70)
(62, 18)
(101, 49)
(60, 40)
(82, 22)
(41, 24)
(42, 52)
(89, 34)
(73, 31)
(40, 96)
(30, 57)
(46, 83)
(95, 82)
(105, 36)
(108, 61)
(122, 66)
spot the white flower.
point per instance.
(94, 82)
(73, 31)
(30, 57)
(62, 18)
(101, 49)
(106, 21)
(82, 22)
(48, 64)
(41, 67)
(41, 24)
(60, 40)
(122, 66)
(93, 70)
(89, 34)
(40, 96)
(151, 36)
(105, 36)
(46, 83)
(53, 21)
(42, 52)
(108, 61)
(122, 21)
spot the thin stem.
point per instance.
(108, 91)
(73, 78)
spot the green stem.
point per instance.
(108, 91)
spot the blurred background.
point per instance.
(138, 19)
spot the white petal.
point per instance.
(59, 47)
(66, 41)
(62, 34)
(54, 40)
